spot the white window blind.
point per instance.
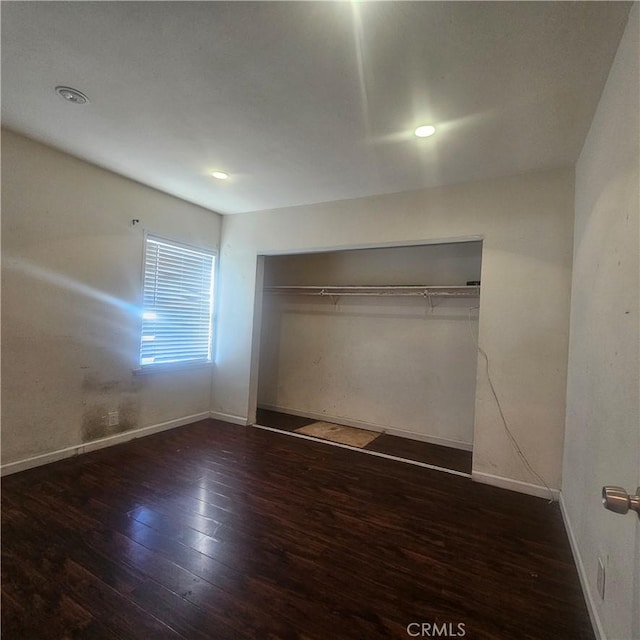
(178, 304)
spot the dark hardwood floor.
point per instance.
(283, 421)
(224, 532)
(437, 455)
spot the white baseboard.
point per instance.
(596, 623)
(360, 424)
(227, 417)
(94, 445)
(514, 485)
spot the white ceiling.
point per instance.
(311, 101)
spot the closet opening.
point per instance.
(374, 349)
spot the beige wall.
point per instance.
(359, 360)
(526, 224)
(602, 443)
(71, 281)
(448, 263)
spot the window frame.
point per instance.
(152, 368)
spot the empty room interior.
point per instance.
(320, 320)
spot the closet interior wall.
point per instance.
(405, 365)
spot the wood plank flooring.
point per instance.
(437, 455)
(216, 531)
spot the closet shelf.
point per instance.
(424, 291)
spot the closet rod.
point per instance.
(461, 291)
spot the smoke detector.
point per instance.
(72, 95)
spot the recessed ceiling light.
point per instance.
(425, 131)
(72, 95)
(220, 175)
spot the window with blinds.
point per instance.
(178, 304)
